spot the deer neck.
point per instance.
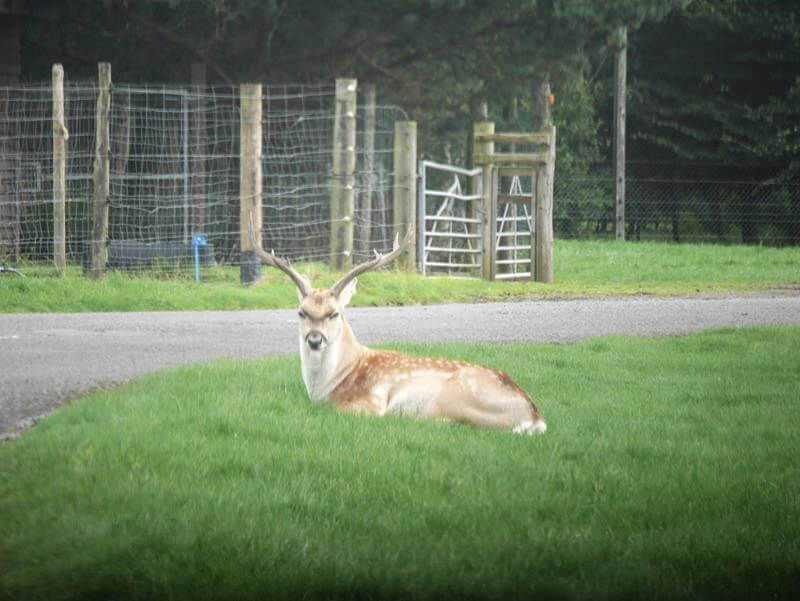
(324, 370)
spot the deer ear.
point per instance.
(300, 295)
(348, 292)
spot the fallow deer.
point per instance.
(339, 370)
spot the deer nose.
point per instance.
(314, 340)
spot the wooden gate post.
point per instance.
(344, 168)
(405, 189)
(250, 181)
(60, 136)
(99, 242)
(487, 211)
(545, 173)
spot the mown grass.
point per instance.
(582, 268)
(669, 471)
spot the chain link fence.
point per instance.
(681, 202)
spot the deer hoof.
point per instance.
(530, 427)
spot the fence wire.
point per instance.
(679, 202)
(174, 163)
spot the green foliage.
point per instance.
(668, 471)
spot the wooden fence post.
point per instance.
(405, 189)
(250, 181)
(60, 136)
(344, 167)
(99, 243)
(364, 233)
(544, 176)
(488, 224)
(620, 69)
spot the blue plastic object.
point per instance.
(198, 240)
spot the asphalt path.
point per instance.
(49, 359)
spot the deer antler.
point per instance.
(270, 259)
(379, 261)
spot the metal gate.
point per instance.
(514, 229)
(449, 240)
(451, 219)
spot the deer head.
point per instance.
(327, 344)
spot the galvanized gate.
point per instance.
(514, 229)
(450, 218)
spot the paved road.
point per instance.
(48, 359)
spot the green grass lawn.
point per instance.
(669, 470)
(582, 268)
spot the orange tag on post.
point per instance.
(552, 99)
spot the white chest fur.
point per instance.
(319, 369)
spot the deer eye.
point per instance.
(302, 314)
(333, 315)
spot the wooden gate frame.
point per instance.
(540, 165)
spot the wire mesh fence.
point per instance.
(679, 202)
(174, 172)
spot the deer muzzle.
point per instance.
(314, 340)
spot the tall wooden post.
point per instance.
(544, 177)
(405, 188)
(543, 181)
(197, 145)
(344, 168)
(99, 243)
(541, 103)
(363, 235)
(620, 76)
(60, 136)
(250, 181)
(486, 210)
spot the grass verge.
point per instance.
(669, 471)
(582, 268)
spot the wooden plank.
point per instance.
(527, 171)
(541, 138)
(522, 159)
(60, 136)
(511, 199)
